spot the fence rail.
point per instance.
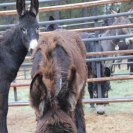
(103, 28)
(68, 6)
(99, 79)
(110, 53)
(130, 77)
(92, 18)
(27, 2)
(19, 84)
(85, 101)
(88, 80)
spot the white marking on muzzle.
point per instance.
(116, 47)
(100, 109)
(129, 40)
(33, 44)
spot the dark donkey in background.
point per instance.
(59, 76)
(106, 45)
(14, 45)
(51, 27)
(92, 73)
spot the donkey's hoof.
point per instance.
(100, 113)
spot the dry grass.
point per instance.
(22, 120)
(118, 118)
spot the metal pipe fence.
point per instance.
(99, 79)
(92, 18)
(68, 6)
(109, 58)
(60, 26)
(85, 101)
(108, 53)
(27, 2)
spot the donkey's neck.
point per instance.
(112, 32)
(14, 46)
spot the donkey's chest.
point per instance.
(8, 68)
(8, 71)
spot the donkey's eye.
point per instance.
(24, 30)
(37, 29)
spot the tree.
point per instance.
(126, 6)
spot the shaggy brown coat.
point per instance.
(59, 75)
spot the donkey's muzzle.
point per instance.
(33, 44)
(100, 109)
(129, 41)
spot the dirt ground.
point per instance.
(23, 121)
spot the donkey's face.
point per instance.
(127, 31)
(28, 24)
(51, 118)
(121, 21)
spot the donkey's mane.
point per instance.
(55, 39)
(117, 21)
(58, 81)
(50, 65)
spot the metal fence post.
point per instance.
(98, 64)
(15, 94)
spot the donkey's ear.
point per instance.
(34, 7)
(69, 85)
(113, 12)
(20, 6)
(51, 18)
(119, 10)
(38, 94)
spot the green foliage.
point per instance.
(126, 6)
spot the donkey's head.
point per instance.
(51, 118)
(52, 27)
(28, 25)
(121, 21)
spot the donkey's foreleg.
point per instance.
(90, 90)
(79, 117)
(76, 112)
(3, 108)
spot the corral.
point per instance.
(118, 117)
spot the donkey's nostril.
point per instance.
(129, 41)
(100, 109)
(31, 51)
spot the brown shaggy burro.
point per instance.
(59, 76)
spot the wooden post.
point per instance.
(15, 94)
